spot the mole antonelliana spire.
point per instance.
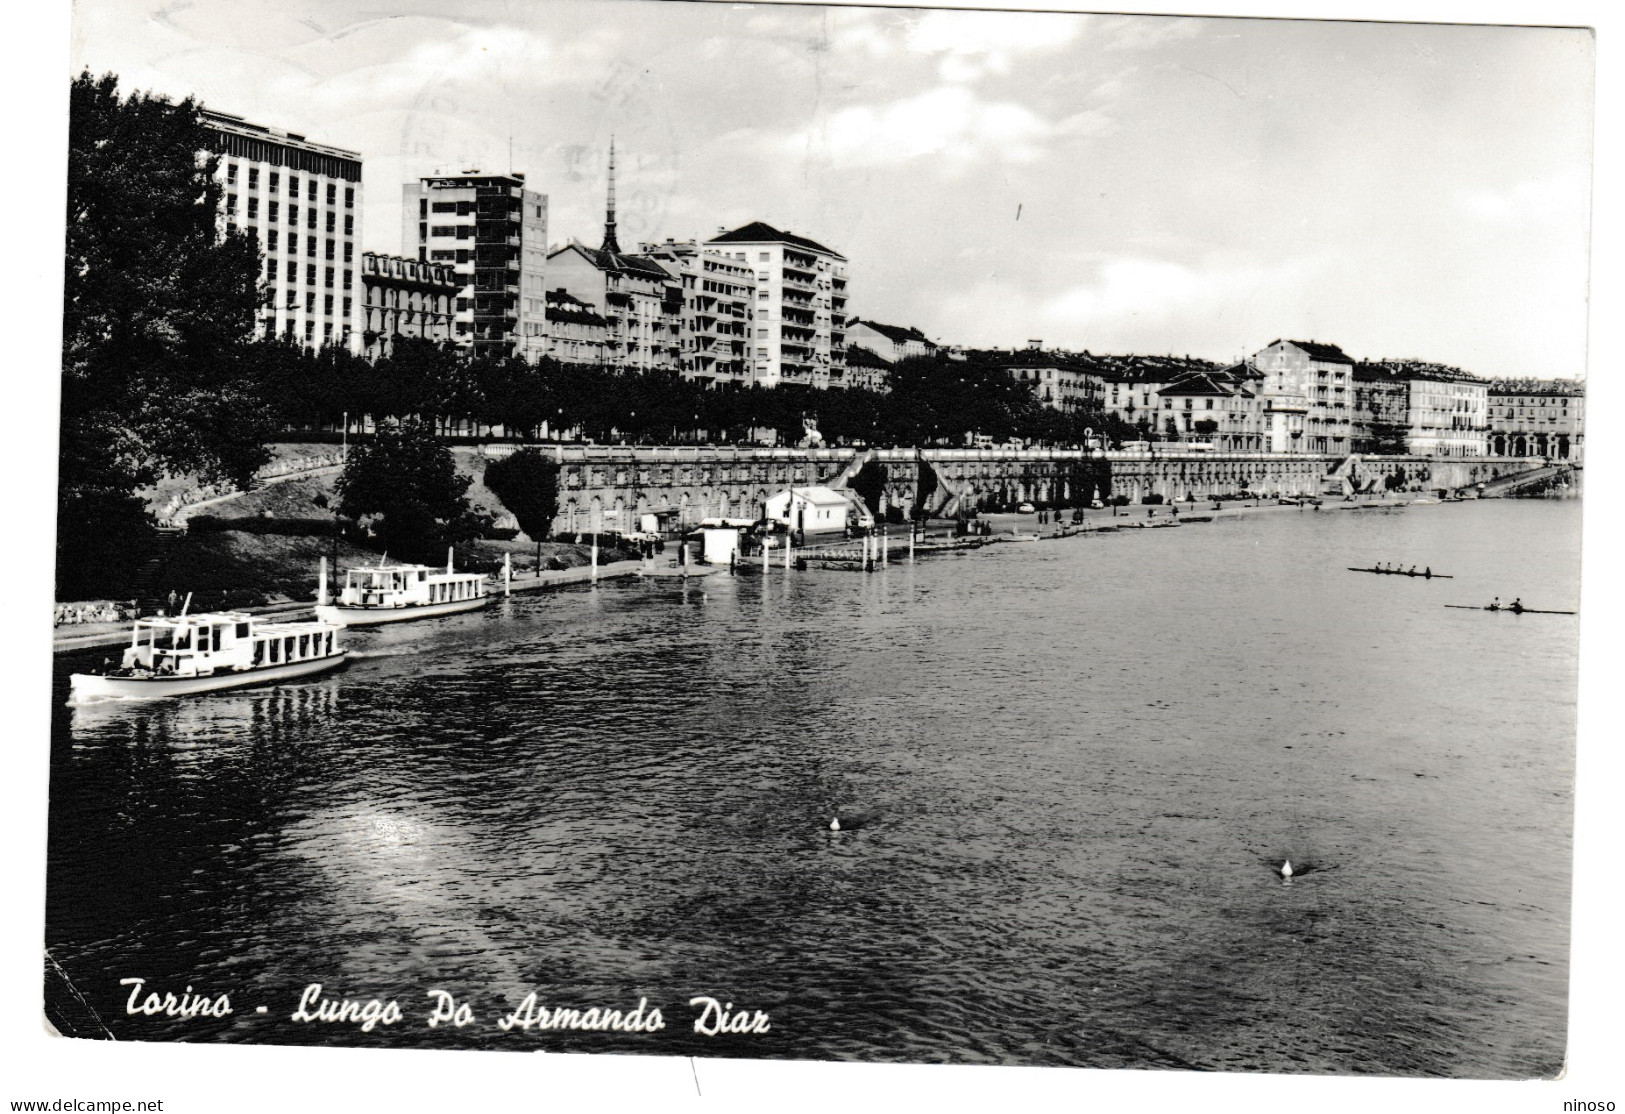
(610, 242)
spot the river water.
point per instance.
(1066, 770)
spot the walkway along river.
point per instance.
(1069, 772)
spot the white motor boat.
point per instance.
(393, 593)
(175, 656)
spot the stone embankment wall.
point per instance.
(604, 487)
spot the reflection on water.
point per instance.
(1067, 774)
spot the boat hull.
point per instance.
(94, 686)
(374, 616)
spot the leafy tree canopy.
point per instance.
(527, 482)
(407, 481)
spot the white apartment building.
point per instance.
(798, 331)
(719, 297)
(493, 231)
(302, 201)
(1310, 386)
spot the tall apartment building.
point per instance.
(493, 232)
(719, 296)
(404, 298)
(302, 200)
(1317, 380)
(801, 294)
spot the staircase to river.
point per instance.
(148, 581)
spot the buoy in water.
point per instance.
(1286, 869)
(835, 824)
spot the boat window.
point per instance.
(259, 652)
(304, 645)
(242, 630)
(204, 644)
(287, 649)
(273, 648)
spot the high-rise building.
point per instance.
(719, 295)
(800, 321)
(640, 301)
(302, 201)
(493, 232)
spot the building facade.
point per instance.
(867, 370)
(719, 306)
(302, 201)
(404, 298)
(1316, 379)
(799, 326)
(889, 342)
(640, 301)
(1537, 417)
(1217, 409)
(576, 333)
(1438, 410)
(492, 231)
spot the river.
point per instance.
(1067, 772)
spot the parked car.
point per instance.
(1026, 508)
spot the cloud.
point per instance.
(950, 123)
(976, 44)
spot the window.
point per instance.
(293, 215)
(349, 252)
(270, 210)
(347, 274)
(231, 173)
(462, 305)
(270, 238)
(332, 193)
(270, 270)
(311, 193)
(276, 180)
(310, 218)
(253, 208)
(293, 301)
(328, 278)
(310, 245)
(349, 225)
(253, 177)
(346, 309)
(332, 222)
(293, 271)
(293, 186)
(310, 274)
(327, 305)
(327, 330)
(310, 302)
(310, 331)
(231, 203)
(445, 206)
(763, 257)
(442, 256)
(328, 249)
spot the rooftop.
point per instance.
(759, 232)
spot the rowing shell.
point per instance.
(1509, 610)
(1396, 572)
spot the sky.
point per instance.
(1111, 183)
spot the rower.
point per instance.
(1412, 572)
(1517, 607)
(1428, 572)
(1495, 604)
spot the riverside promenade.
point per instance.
(94, 636)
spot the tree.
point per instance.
(408, 482)
(158, 303)
(527, 482)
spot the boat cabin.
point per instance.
(199, 645)
(408, 586)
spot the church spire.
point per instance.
(610, 242)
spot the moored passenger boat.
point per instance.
(184, 654)
(393, 593)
